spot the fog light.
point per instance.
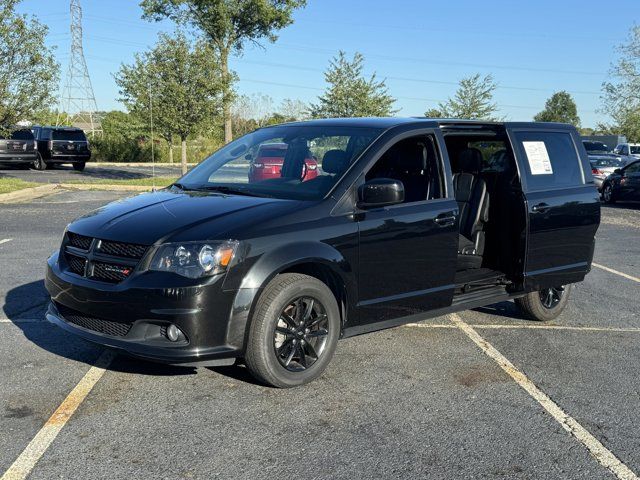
(173, 333)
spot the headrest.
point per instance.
(470, 160)
(413, 157)
(335, 161)
(408, 156)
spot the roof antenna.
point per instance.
(153, 158)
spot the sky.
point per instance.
(422, 48)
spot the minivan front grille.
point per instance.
(79, 241)
(100, 325)
(101, 260)
(119, 249)
(109, 272)
(76, 264)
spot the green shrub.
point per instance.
(135, 150)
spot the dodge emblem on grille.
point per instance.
(115, 269)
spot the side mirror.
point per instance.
(618, 171)
(380, 192)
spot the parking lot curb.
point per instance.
(28, 193)
(109, 187)
(44, 190)
(138, 164)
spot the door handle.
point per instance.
(540, 208)
(444, 221)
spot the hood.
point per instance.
(603, 155)
(178, 216)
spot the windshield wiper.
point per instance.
(230, 190)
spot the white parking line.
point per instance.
(611, 270)
(604, 456)
(5, 240)
(29, 457)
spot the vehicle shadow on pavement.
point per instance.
(630, 205)
(503, 309)
(28, 302)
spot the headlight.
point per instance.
(194, 260)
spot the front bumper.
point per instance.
(201, 312)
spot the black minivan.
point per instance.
(407, 219)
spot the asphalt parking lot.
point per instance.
(421, 401)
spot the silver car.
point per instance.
(604, 165)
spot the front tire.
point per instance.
(294, 331)
(546, 304)
(79, 166)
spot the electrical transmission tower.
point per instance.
(78, 101)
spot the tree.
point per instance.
(561, 108)
(473, 100)
(293, 110)
(621, 94)
(350, 94)
(228, 25)
(29, 73)
(175, 79)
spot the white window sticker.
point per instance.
(539, 161)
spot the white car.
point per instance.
(628, 150)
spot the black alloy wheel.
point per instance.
(545, 304)
(294, 331)
(551, 297)
(300, 336)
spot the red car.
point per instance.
(269, 160)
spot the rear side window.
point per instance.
(75, 135)
(550, 160)
(22, 135)
(272, 152)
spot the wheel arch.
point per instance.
(316, 259)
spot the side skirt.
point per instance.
(464, 301)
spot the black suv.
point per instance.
(407, 219)
(18, 148)
(61, 145)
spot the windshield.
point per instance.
(313, 160)
(595, 147)
(22, 135)
(607, 162)
(635, 149)
(75, 135)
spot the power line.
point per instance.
(406, 79)
(308, 48)
(492, 33)
(419, 99)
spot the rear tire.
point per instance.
(79, 167)
(546, 304)
(39, 163)
(294, 331)
(607, 194)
